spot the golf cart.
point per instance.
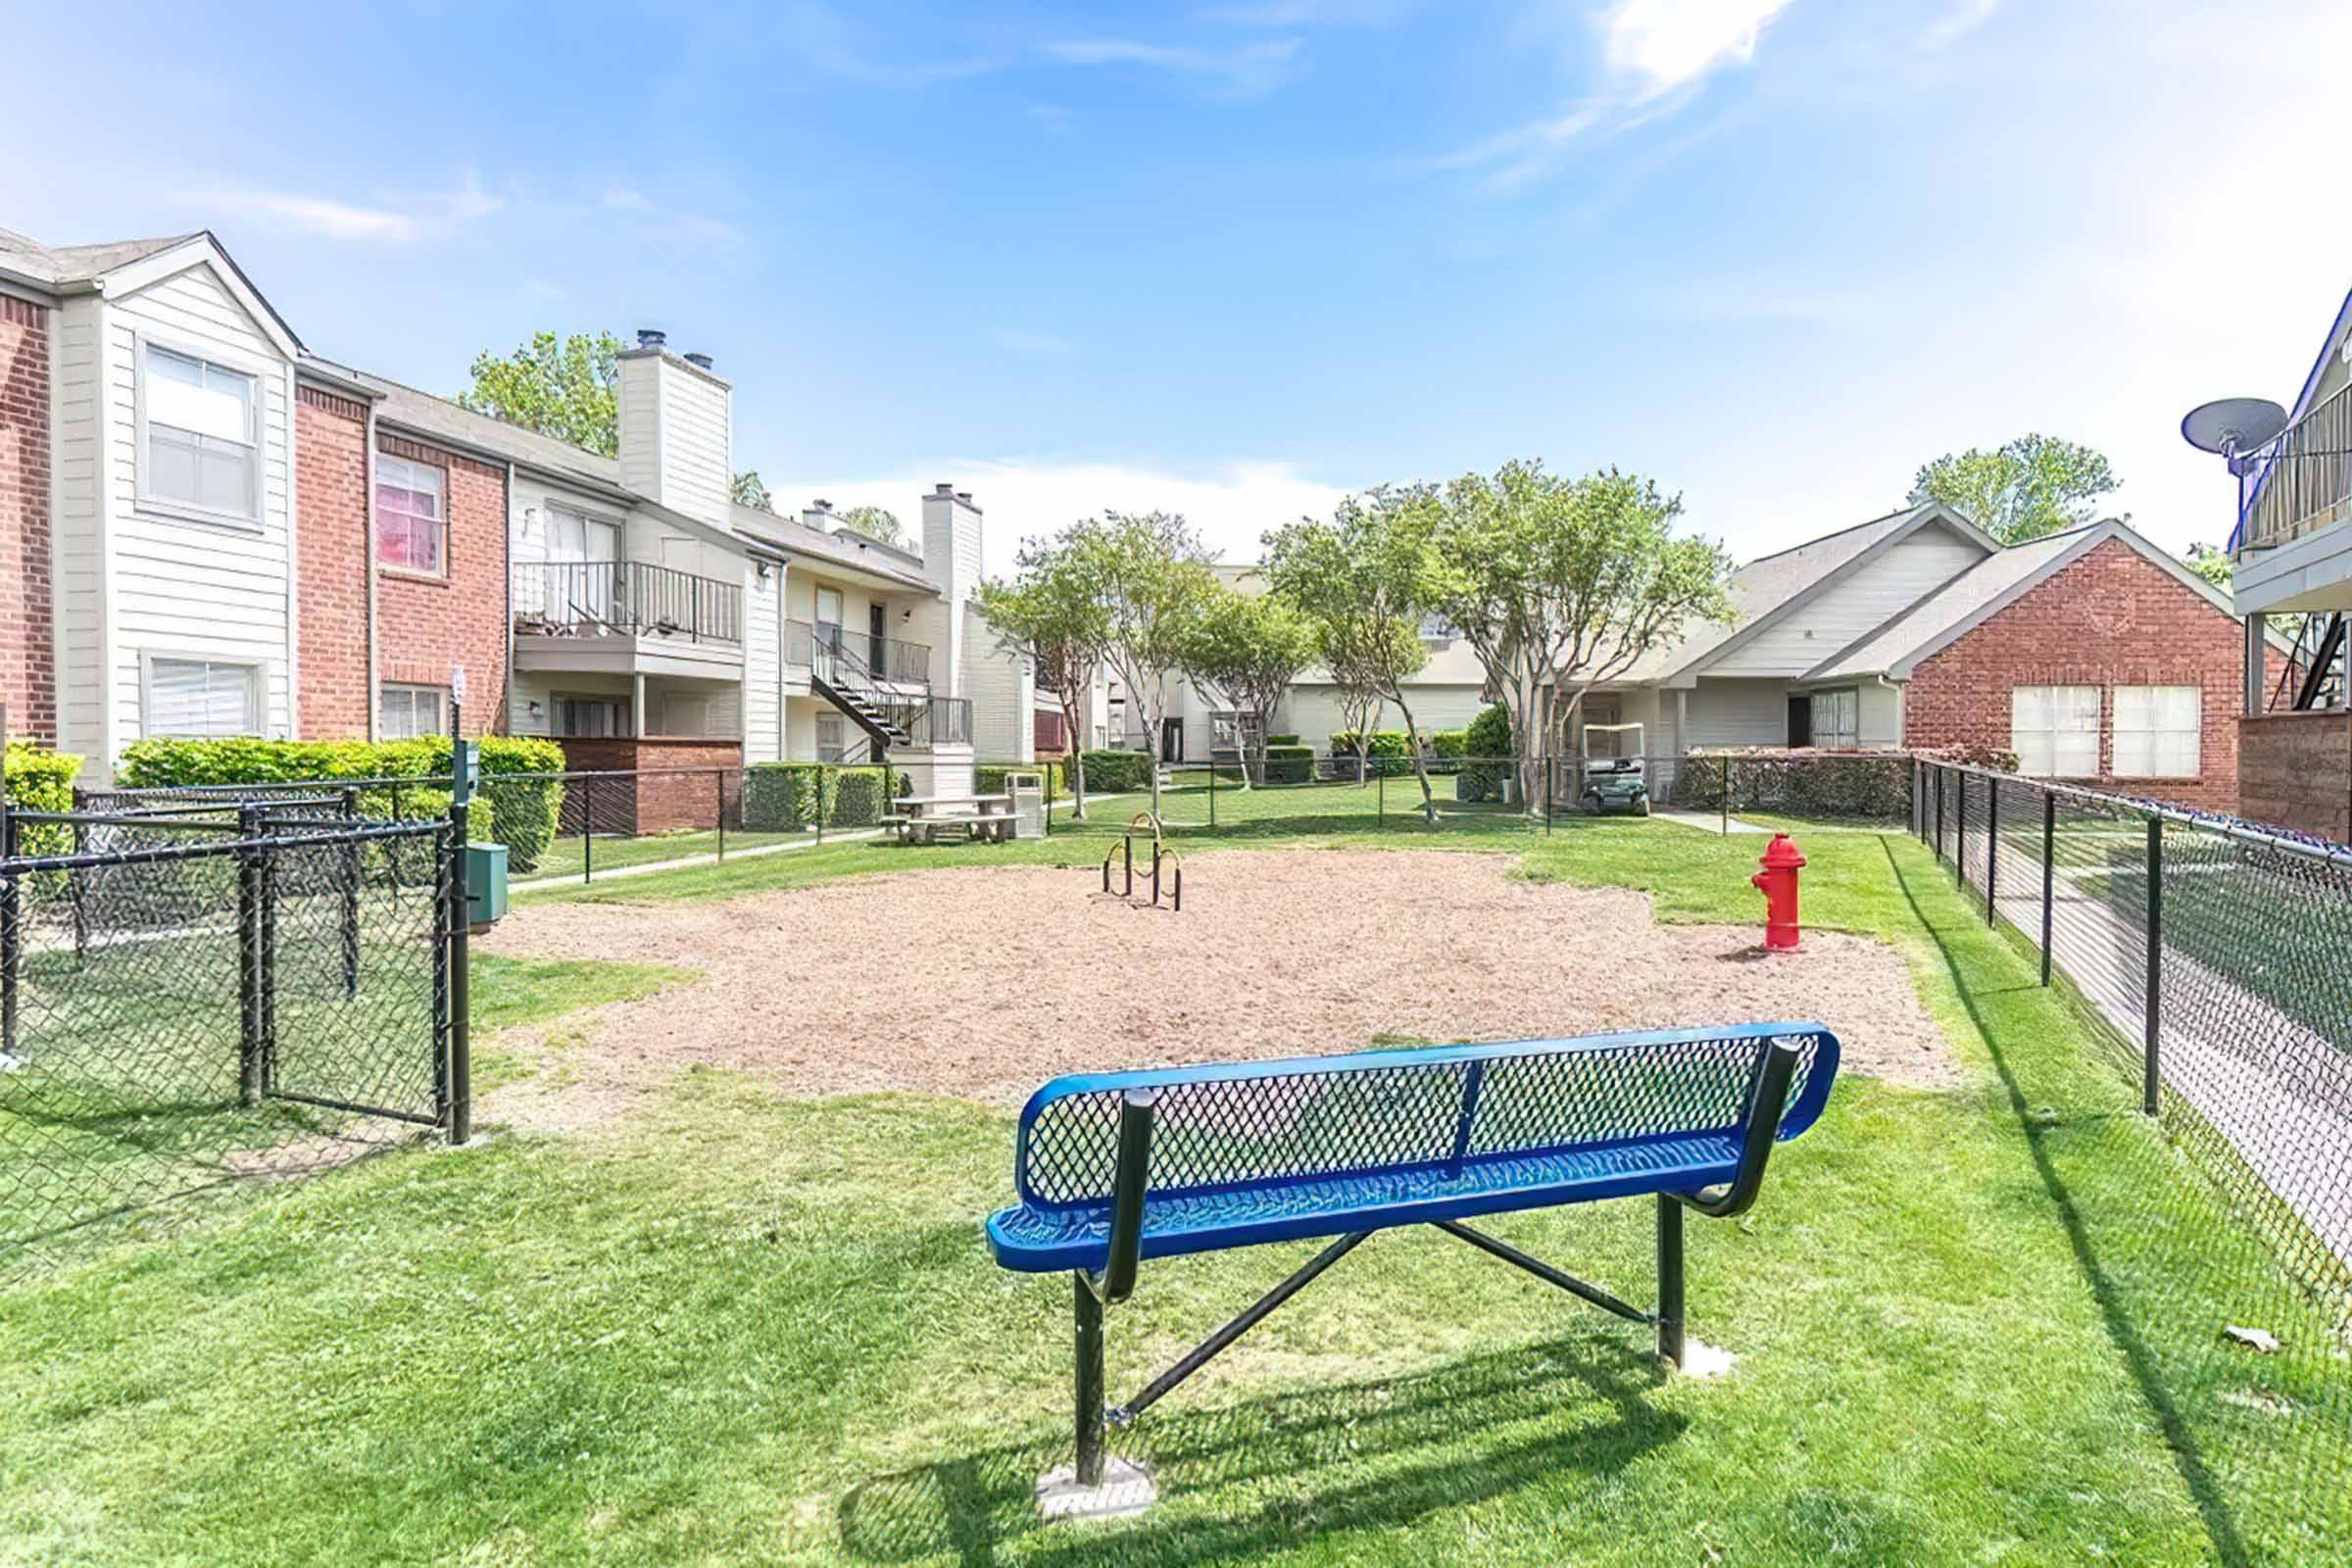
(1615, 783)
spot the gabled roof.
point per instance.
(795, 537)
(1982, 592)
(441, 419)
(65, 265)
(1773, 588)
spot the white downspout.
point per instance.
(368, 563)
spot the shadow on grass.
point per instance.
(1372, 1454)
(2205, 1488)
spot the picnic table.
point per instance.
(923, 818)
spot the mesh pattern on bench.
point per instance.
(1344, 1115)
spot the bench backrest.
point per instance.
(1231, 1128)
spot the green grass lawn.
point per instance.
(568, 856)
(1976, 1326)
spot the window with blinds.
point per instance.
(2055, 730)
(200, 438)
(412, 529)
(405, 712)
(2159, 731)
(197, 697)
(1837, 719)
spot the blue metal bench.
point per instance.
(1112, 1168)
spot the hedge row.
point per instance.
(785, 797)
(1871, 785)
(1117, 772)
(988, 778)
(1290, 764)
(1489, 735)
(523, 810)
(1385, 749)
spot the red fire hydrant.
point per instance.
(1778, 882)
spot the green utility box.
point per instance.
(485, 883)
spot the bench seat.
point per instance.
(1036, 1238)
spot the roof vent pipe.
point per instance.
(701, 361)
(650, 338)
(943, 488)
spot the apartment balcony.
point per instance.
(2293, 548)
(625, 616)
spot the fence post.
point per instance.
(1048, 826)
(1381, 804)
(11, 942)
(460, 974)
(1960, 830)
(1726, 781)
(1551, 787)
(249, 957)
(588, 828)
(2150, 1079)
(719, 777)
(352, 862)
(1992, 843)
(820, 775)
(1213, 785)
(2050, 874)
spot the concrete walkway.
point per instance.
(2277, 1089)
(1705, 821)
(649, 867)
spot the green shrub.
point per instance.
(36, 780)
(1282, 740)
(524, 810)
(1386, 747)
(1874, 786)
(1117, 772)
(784, 797)
(1290, 764)
(988, 778)
(1446, 749)
(1488, 737)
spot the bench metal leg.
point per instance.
(1201, 1355)
(1543, 1271)
(1090, 1382)
(1670, 1279)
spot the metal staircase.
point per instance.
(844, 679)
(2315, 674)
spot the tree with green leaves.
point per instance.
(2021, 489)
(876, 522)
(2211, 564)
(567, 388)
(1561, 585)
(1245, 650)
(748, 491)
(1369, 576)
(1053, 615)
(1150, 574)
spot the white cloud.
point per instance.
(1958, 23)
(1250, 69)
(1231, 504)
(654, 222)
(1671, 43)
(389, 219)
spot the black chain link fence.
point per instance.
(2216, 963)
(204, 996)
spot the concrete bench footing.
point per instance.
(1127, 1490)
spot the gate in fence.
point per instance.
(203, 990)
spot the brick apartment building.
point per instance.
(207, 530)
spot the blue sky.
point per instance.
(1236, 258)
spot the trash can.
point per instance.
(485, 883)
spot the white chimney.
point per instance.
(952, 561)
(676, 431)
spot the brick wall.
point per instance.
(330, 534)
(2112, 619)
(428, 626)
(661, 798)
(2295, 770)
(28, 655)
(425, 626)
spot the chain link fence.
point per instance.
(2216, 963)
(214, 992)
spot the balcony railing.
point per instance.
(635, 597)
(814, 646)
(935, 720)
(2303, 479)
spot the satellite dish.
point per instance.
(2232, 426)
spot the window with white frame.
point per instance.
(404, 713)
(683, 715)
(199, 434)
(1837, 719)
(590, 718)
(203, 697)
(832, 738)
(412, 524)
(2159, 731)
(2055, 730)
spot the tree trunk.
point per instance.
(1070, 716)
(1412, 743)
